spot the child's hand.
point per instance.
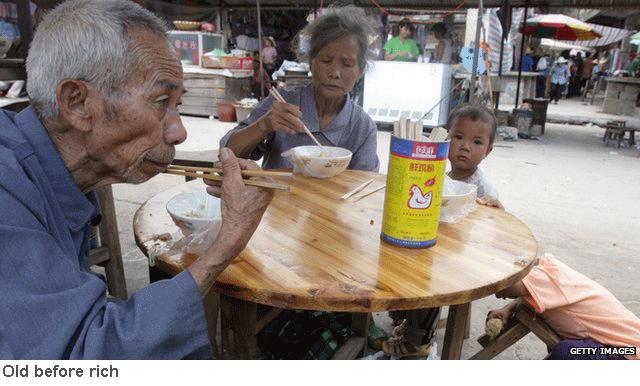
(490, 201)
(503, 314)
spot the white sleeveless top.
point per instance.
(447, 52)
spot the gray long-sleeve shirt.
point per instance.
(351, 129)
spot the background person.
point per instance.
(444, 48)
(542, 68)
(402, 48)
(560, 77)
(269, 55)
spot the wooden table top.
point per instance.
(315, 251)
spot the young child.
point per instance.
(472, 130)
(579, 310)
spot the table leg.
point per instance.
(358, 343)
(239, 321)
(454, 333)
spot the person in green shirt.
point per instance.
(402, 48)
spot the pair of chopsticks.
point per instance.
(363, 194)
(279, 98)
(192, 171)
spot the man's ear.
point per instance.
(73, 99)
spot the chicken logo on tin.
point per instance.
(419, 200)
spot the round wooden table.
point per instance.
(315, 251)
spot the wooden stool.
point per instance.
(615, 131)
(523, 321)
(108, 254)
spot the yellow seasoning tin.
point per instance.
(415, 180)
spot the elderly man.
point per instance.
(104, 85)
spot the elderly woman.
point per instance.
(337, 55)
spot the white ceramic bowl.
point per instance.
(458, 200)
(194, 210)
(318, 162)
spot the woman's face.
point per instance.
(335, 68)
(405, 32)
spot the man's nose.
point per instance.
(174, 133)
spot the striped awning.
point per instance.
(608, 35)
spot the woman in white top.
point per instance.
(444, 49)
(269, 55)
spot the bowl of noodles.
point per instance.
(194, 210)
(318, 161)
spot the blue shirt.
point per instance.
(527, 63)
(351, 129)
(51, 305)
(560, 74)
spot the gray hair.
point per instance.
(87, 40)
(334, 24)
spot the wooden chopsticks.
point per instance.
(356, 190)
(279, 98)
(190, 171)
(368, 193)
(246, 173)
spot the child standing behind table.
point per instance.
(472, 130)
(579, 310)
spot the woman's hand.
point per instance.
(284, 117)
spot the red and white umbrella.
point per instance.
(559, 27)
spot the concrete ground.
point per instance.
(575, 111)
(581, 200)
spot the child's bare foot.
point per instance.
(503, 314)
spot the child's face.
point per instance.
(470, 143)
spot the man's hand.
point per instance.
(490, 201)
(242, 209)
(242, 206)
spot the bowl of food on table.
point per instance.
(318, 161)
(458, 200)
(195, 210)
